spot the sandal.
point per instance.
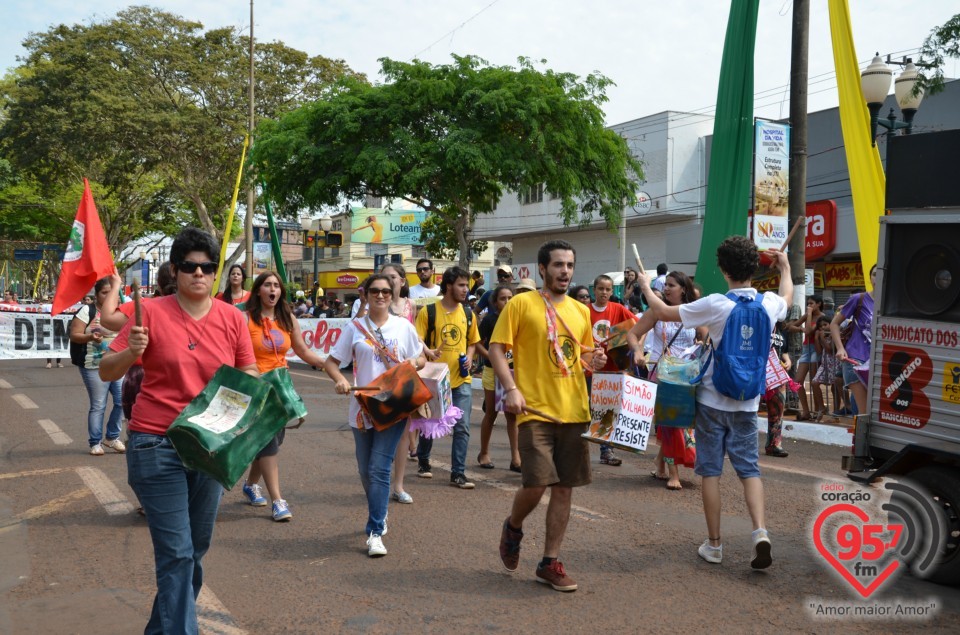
(803, 417)
(675, 488)
(659, 477)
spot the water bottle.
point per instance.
(464, 365)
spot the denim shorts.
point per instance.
(808, 355)
(851, 376)
(732, 433)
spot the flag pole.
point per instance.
(230, 213)
(36, 281)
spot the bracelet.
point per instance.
(509, 389)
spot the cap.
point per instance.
(505, 269)
(528, 284)
(472, 297)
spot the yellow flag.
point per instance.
(867, 181)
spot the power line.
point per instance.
(452, 31)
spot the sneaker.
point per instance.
(554, 575)
(49, 365)
(253, 494)
(777, 452)
(96, 450)
(412, 456)
(510, 546)
(425, 471)
(280, 510)
(459, 480)
(762, 557)
(375, 548)
(116, 445)
(59, 365)
(609, 459)
(711, 553)
(403, 497)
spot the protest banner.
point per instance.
(621, 411)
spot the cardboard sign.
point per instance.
(436, 376)
(776, 373)
(621, 411)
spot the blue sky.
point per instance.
(663, 54)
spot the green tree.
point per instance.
(153, 109)
(943, 42)
(451, 139)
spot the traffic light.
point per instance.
(334, 239)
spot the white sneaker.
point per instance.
(762, 557)
(403, 497)
(96, 450)
(117, 445)
(711, 553)
(375, 548)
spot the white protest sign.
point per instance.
(621, 411)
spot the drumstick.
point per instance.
(137, 315)
(636, 254)
(793, 231)
(355, 388)
(534, 411)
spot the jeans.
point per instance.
(375, 452)
(97, 390)
(463, 399)
(181, 508)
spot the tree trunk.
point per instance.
(464, 228)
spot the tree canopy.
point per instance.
(943, 42)
(152, 109)
(452, 139)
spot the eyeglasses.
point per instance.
(422, 269)
(583, 297)
(188, 266)
(380, 291)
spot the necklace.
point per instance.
(191, 343)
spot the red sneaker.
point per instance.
(554, 575)
(510, 546)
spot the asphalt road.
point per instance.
(76, 558)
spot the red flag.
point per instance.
(87, 258)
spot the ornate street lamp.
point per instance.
(316, 226)
(875, 82)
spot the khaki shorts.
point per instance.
(554, 454)
(488, 378)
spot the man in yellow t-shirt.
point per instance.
(451, 337)
(548, 333)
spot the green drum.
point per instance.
(225, 426)
(279, 378)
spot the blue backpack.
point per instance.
(740, 370)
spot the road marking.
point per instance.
(52, 470)
(582, 513)
(213, 617)
(5, 384)
(25, 402)
(54, 505)
(56, 434)
(823, 476)
(115, 503)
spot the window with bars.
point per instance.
(532, 195)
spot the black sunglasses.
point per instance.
(379, 291)
(421, 269)
(188, 266)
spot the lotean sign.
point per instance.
(821, 229)
(347, 279)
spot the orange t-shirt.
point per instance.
(270, 344)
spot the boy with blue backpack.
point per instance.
(740, 324)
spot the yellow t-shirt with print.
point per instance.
(451, 336)
(522, 328)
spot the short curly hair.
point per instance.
(738, 257)
(192, 239)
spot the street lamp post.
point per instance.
(875, 82)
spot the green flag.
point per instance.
(274, 239)
(731, 155)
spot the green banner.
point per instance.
(731, 155)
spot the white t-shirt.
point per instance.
(400, 339)
(662, 335)
(420, 291)
(355, 308)
(712, 312)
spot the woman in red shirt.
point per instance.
(273, 331)
(184, 340)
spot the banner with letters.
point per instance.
(37, 335)
(771, 178)
(389, 227)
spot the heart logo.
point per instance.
(746, 332)
(857, 549)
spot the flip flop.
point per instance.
(674, 488)
(658, 477)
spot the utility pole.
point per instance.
(797, 200)
(251, 194)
